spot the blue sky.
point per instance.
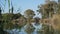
(23, 5)
(27, 4)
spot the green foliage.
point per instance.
(8, 26)
(47, 9)
(29, 29)
(47, 29)
(16, 16)
(58, 11)
(8, 18)
(29, 13)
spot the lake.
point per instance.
(22, 30)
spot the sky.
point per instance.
(27, 4)
(23, 5)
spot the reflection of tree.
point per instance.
(47, 29)
(40, 32)
(37, 20)
(29, 29)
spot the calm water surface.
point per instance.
(22, 30)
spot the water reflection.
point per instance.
(22, 30)
(37, 26)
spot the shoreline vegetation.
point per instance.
(50, 12)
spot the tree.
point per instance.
(12, 8)
(1, 23)
(58, 11)
(9, 5)
(0, 12)
(29, 15)
(48, 9)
